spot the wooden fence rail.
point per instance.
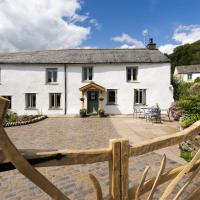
(117, 155)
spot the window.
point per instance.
(10, 99)
(30, 100)
(189, 77)
(131, 73)
(140, 96)
(54, 100)
(87, 73)
(52, 75)
(111, 96)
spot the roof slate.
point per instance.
(86, 56)
(188, 69)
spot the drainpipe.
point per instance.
(65, 69)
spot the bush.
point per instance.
(82, 112)
(186, 155)
(197, 80)
(188, 120)
(11, 117)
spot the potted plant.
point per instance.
(83, 112)
(101, 113)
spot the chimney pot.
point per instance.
(151, 45)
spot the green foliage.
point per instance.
(83, 112)
(188, 120)
(181, 89)
(187, 54)
(186, 155)
(11, 117)
(197, 80)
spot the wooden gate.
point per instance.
(117, 155)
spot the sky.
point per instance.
(57, 24)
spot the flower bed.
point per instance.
(13, 120)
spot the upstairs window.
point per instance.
(87, 73)
(52, 75)
(189, 77)
(54, 100)
(131, 73)
(10, 99)
(140, 96)
(111, 96)
(30, 101)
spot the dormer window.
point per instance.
(131, 74)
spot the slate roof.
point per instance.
(188, 69)
(86, 56)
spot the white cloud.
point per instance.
(182, 35)
(187, 34)
(95, 23)
(167, 48)
(41, 24)
(128, 41)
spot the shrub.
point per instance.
(82, 112)
(188, 120)
(11, 117)
(197, 80)
(186, 155)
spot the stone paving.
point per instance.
(70, 133)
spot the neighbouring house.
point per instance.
(64, 81)
(187, 73)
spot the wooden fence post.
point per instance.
(115, 169)
(124, 169)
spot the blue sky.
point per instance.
(49, 24)
(160, 17)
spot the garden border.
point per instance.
(20, 123)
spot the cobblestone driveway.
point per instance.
(70, 133)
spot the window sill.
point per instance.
(55, 109)
(87, 81)
(111, 104)
(30, 109)
(133, 81)
(56, 83)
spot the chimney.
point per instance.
(151, 45)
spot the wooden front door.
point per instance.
(92, 102)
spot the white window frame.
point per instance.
(55, 106)
(52, 70)
(144, 97)
(29, 100)
(87, 69)
(132, 69)
(111, 90)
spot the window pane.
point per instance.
(49, 78)
(58, 100)
(55, 76)
(90, 73)
(134, 74)
(141, 96)
(111, 96)
(33, 100)
(52, 101)
(84, 73)
(136, 97)
(128, 74)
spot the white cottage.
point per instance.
(63, 81)
(187, 73)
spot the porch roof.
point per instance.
(92, 86)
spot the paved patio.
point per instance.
(76, 133)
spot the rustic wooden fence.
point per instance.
(117, 155)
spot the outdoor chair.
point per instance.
(153, 115)
(137, 112)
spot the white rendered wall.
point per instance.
(184, 77)
(16, 80)
(155, 78)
